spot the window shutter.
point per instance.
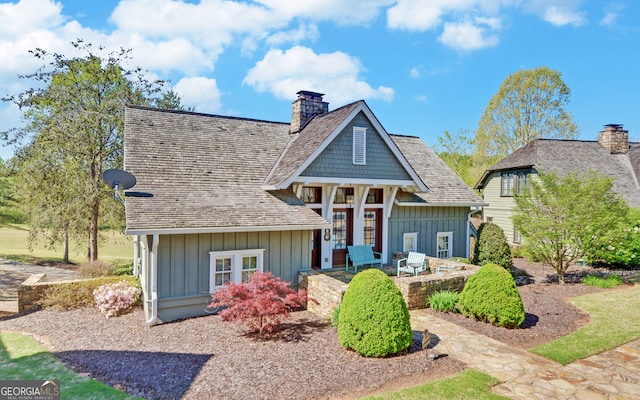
(359, 146)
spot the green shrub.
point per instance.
(460, 260)
(492, 246)
(335, 316)
(491, 295)
(79, 294)
(605, 283)
(374, 319)
(122, 268)
(444, 301)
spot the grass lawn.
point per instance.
(14, 245)
(23, 358)
(614, 321)
(468, 384)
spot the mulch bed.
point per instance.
(207, 358)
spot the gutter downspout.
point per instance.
(473, 211)
(136, 255)
(153, 280)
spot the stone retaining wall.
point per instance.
(32, 290)
(326, 288)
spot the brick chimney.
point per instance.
(614, 138)
(306, 106)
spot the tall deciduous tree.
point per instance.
(560, 217)
(458, 151)
(74, 126)
(530, 104)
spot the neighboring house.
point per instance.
(218, 198)
(611, 155)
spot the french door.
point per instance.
(342, 235)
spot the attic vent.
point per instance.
(359, 145)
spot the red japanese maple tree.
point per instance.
(260, 304)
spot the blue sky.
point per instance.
(422, 66)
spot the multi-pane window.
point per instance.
(222, 271)
(516, 235)
(374, 196)
(249, 266)
(233, 266)
(410, 241)
(514, 182)
(507, 184)
(444, 244)
(312, 194)
(370, 228)
(339, 230)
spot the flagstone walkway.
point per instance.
(613, 374)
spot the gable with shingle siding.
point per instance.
(336, 160)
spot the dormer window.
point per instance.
(359, 145)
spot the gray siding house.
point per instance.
(612, 155)
(218, 198)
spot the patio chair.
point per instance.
(413, 264)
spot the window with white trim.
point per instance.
(359, 145)
(444, 244)
(233, 266)
(410, 241)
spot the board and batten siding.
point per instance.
(428, 221)
(336, 160)
(183, 265)
(500, 208)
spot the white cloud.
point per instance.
(560, 16)
(283, 73)
(200, 92)
(303, 32)
(422, 15)
(416, 72)
(612, 13)
(468, 36)
(557, 12)
(27, 16)
(352, 12)
(609, 19)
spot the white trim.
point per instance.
(236, 264)
(388, 204)
(224, 229)
(317, 180)
(405, 236)
(362, 107)
(450, 247)
(449, 204)
(153, 280)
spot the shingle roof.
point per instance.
(577, 156)
(306, 142)
(206, 171)
(446, 187)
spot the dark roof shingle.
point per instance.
(577, 156)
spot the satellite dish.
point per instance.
(118, 179)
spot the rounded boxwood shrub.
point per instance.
(491, 295)
(374, 319)
(492, 246)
